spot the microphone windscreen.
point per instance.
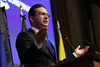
(86, 41)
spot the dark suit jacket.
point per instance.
(30, 56)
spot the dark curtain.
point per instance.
(79, 19)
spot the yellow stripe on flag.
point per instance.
(62, 54)
(61, 50)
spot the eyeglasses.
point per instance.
(42, 13)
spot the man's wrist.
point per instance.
(37, 45)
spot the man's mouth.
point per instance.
(45, 21)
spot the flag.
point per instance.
(6, 56)
(22, 18)
(3, 60)
(61, 51)
(23, 26)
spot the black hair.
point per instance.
(32, 10)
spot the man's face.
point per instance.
(41, 18)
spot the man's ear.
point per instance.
(31, 18)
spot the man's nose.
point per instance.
(46, 17)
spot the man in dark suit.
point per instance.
(32, 47)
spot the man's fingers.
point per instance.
(42, 33)
(40, 36)
(42, 30)
(78, 47)
(86, 48)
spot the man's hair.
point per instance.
(32, 10)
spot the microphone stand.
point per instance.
(70, 45)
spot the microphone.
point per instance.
(86, 41)
(70, 44)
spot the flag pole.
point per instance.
(21, 14)
(0, 3)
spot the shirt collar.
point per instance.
(36, 29)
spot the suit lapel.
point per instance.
(54, 56)
(44, 43)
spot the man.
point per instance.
(32, 47)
